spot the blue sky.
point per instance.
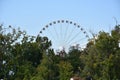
(32, 15)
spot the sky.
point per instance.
(33, 15)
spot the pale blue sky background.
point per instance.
(32, 15)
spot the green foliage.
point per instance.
(74, 59)
(65, 70)
(25, 57)
(101, 60)
(24, 72)
(20, 53)
(42, 69)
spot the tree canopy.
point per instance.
(26, 57)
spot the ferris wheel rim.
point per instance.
(63, 21)
(67, 22)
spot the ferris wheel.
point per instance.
(65, 34)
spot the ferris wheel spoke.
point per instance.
(70, 35)
(77, 34)
(66, 30)
(51, 34)
(74, 37)
(61, 34)
(77, 41)
(56, 33)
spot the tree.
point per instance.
(101, 60)
(20, 53)
(74, 59)
(8, 37)
(25, 57)
(43, 71)
(65, 70)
